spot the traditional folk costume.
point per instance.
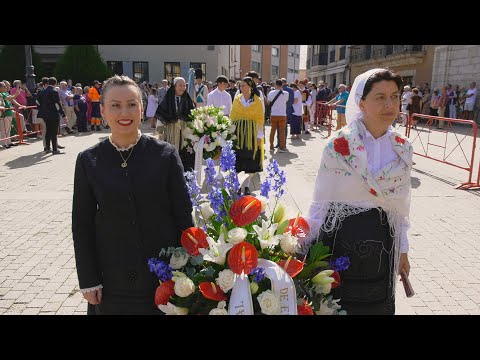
(363, 214)
(201, 91)
(174, 112)
(248, 119)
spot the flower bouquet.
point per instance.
(208, 129)
(240, 258)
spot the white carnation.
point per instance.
(178, 260)
(184, 287)
(236, 235)
(288, 243)
(225, 279)
(269, 303)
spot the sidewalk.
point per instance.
(37, 266)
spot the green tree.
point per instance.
(12, 63)
(83, 64)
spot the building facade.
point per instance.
(154, 63)
(329, 63)
(413, 63)
(271, 62)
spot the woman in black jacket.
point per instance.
(117, 222)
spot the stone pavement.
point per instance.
(37, 265)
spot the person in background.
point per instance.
(201, 91)
(94, 95)
(80, 107)
(173, 112)
(220, 97)
(152, 107)
(119, 221)
(232, 88)
(51, 110)
(248, 117)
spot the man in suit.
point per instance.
(51, 108)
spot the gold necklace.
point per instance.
(124, 164)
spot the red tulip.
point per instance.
(341, 146)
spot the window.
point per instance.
(290, 53)
(342, 52)
(296, 71)
(388, 49)
(256, 66)
(275, 51)
(140, 71)
(316, 49)
(172, 70)
(297, 55)
(210, 47)
(116, 67)
(202, 66)
(274, 70)
(224, 71)
(332, 56)
(256, 48)
(290, 71)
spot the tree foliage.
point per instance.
(12, 63)
(83, 64)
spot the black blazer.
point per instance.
(122, 216)
(50, 103)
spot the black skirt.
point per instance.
(245, 161)
(366, 286)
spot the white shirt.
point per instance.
(279, 107)
(380, 153)
(297, 108)
(471, 99)
(220, 98)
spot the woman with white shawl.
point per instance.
(361, 201)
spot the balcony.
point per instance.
(320, 59)
(367, 52)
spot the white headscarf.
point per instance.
(352, 109)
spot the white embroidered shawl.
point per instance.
(345, 185)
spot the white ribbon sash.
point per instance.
(241, 302)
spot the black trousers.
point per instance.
(51, 122)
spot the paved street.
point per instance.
(37, 266)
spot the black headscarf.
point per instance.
(253, 86)
(167, 110)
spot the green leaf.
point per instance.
(209, 271)
(307, 270)
(316, 251)
(282, 227)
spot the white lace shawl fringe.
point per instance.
(317, 219)
(83, 291)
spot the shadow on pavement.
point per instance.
(283, 159)
(415, 182)
(28, 160)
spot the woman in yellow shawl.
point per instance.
(247, 114)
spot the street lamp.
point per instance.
(29, 75)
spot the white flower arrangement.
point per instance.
(211, 126)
